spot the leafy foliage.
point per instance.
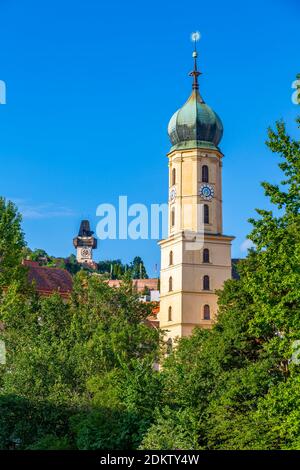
(90, 359)
(108, 269)
(11, 244)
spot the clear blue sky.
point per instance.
(92, 85)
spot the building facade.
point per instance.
(196, 256)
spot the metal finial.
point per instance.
(195, 36)
(195, 73)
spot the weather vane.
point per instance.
(195, 38)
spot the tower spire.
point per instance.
(195, 73)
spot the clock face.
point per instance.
(85, 252)
(172, 194)
(206, 191)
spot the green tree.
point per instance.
(40, 255)
(137, 269)
(23, 421)
(72, 264)
(90, 361)
(11, 244)
(174, 429)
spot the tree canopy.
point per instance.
(108, 269)
(83, 370)
(12, 243)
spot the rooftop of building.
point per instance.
(139, 284)
(48, 280)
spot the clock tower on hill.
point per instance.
(196, 256)
(85, 243)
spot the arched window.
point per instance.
(205, 282)
(206, 255)
(206, 312)
(170, 313)
(173, 216)
(173, 176)
(171, 258)
(170, 284)
(205, 174)
(206, 214)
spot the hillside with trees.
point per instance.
(108, 269)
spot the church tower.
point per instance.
(196, 256)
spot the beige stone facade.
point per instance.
(196, 256)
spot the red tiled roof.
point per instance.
(151, 322)
(139, 284)
(48, 280)
(28, 262)
(155, 310)
(152, 319)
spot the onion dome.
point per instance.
(195, 125)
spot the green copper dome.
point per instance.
(195, 124)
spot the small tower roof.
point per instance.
(85, 236)
(84, 230)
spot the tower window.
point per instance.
(170, 313)
(206, 214)
(206, 255)
(173, 217)
(170, 284)
(171, 258)
(173, 176)
(205, 174)
(206, 282)
(206, 312)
